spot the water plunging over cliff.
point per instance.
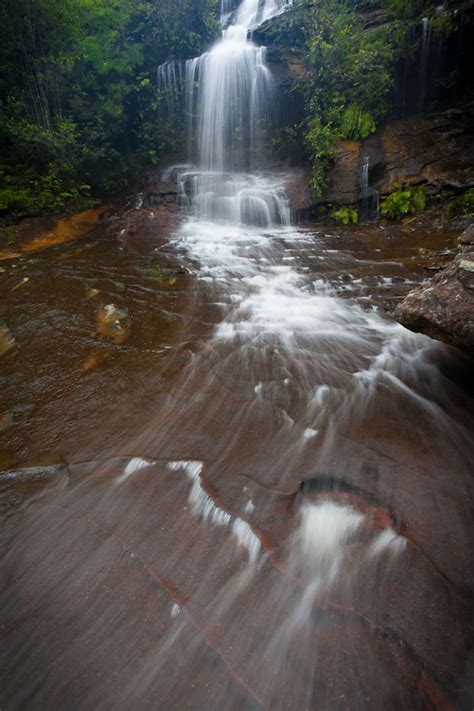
(369, 201)
(230, 103)
(278, 518)
(252, 13)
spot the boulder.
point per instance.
(444, 307)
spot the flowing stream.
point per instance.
(290, 527)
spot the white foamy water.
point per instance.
(252, 13)
(134, 465)
(321, 541)
(201, 503)
(230, 104)
(247, 539)
(387, 541)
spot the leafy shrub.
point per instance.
(462, 205)
(348, 82)
(320, 139)
(346, 215)
(405, 200)
(78, 97)
(45, 193)
(356, 123)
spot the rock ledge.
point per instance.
(444, 307)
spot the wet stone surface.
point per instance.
(224, 487)
(93, 324)
(443, 308)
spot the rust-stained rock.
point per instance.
(437, 149)
(344, 182)
(444, 307)
(38, 233)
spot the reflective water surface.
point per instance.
(229, 482)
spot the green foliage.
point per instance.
(407, 10)
(287, 142)
(79, 103)
(351, 68)
(320, 138)
(346, 215)
(462, 205)
(404, 200)
(356, 123)
(349, 78)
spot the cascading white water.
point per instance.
(230, 104)
(364, 180)
(229, 91)
(425, 51)
(369, 197)
(170, 83)
(252, 13)
(290, 528)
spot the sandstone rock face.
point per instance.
(444, 308)
(344, 184)
(298, 191)
(437, 149)
(161, 189)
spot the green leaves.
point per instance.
(79, 102)
(356, 123)
(404, 200)
(346, 215)
(350, 79)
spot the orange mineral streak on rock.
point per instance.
(63, 230)
(8, 254)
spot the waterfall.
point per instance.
(430, 57)
(425, 52)
(229, 92)
(170, 83)
(252, 13)
(369, 203)
(230, 104)
(365, 174)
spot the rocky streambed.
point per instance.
(86, 316)
(183, 410)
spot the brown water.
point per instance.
(228, 482)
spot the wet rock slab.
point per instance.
(162, 567)
(444, 308)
